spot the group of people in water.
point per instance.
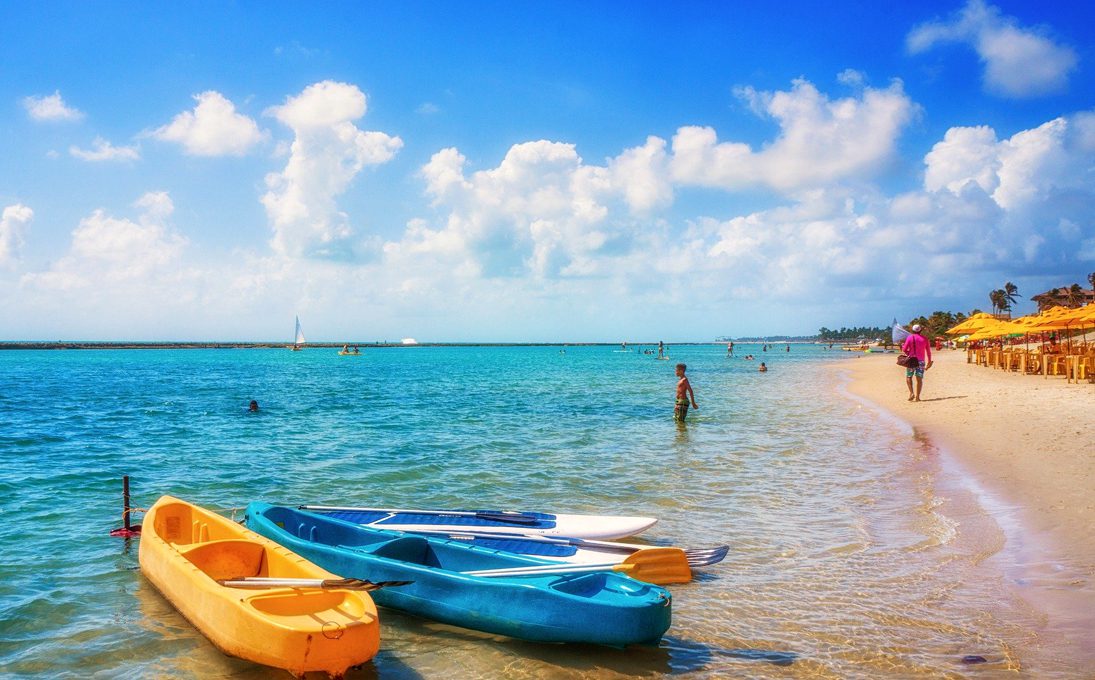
(764, 348)
(685, 396)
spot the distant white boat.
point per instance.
(410, 341)
(298, 342)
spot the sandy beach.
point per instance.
(1028, 442)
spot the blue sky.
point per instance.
(535, 171)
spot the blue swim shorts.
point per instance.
(918, 371)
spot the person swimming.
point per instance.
(253, 406)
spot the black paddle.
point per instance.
(340, 583)
(520, 518)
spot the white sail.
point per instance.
(899, 333)
(299, 334)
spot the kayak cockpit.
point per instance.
(228, 559)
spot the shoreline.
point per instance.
(1021, 445)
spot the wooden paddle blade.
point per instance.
(660, 566)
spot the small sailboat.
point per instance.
(298, 338)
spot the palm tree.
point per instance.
(998, 298)
(1075, 295)
(1011, 291)
(1091, 280)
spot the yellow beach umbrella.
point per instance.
(992, 330)
(1061, 320)
(972, 324)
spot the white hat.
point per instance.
(916, 328)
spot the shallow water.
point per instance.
(851, 556)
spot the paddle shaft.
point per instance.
(336, 583)
(554, 540)
(500, 516)
(256, 582)
(698, 553)
(550, 569)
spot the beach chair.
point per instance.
(1057, 364)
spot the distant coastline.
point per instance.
(60, 344)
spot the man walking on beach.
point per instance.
(684, 394)
(916, 346)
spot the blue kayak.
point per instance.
(602, 607)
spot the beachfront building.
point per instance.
(1065, 297)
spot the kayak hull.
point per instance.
(184, 550)
(605, 608)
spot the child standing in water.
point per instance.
(684, 395)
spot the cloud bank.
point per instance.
(543, 236)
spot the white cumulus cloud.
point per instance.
(821, 141)
(1019, 61)
(966, 154)
(538, 212)
(102, 150)
(13, 225)
(50, 108)
(108, 251)
(1029, 170)
(213, 128)
(327, 153)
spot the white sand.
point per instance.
(1029, 441)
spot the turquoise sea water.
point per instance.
(846, 558)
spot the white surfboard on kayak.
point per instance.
(494, 521)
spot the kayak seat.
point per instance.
(228, 558)
(587, 585)
(411, 549)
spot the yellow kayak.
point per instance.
(186, 550)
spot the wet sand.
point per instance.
(1028, 444)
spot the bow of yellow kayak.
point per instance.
(185, 550)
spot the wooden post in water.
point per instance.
(127, 530)
(125, 502)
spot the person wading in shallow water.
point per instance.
(917, 347)
(684, 394)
